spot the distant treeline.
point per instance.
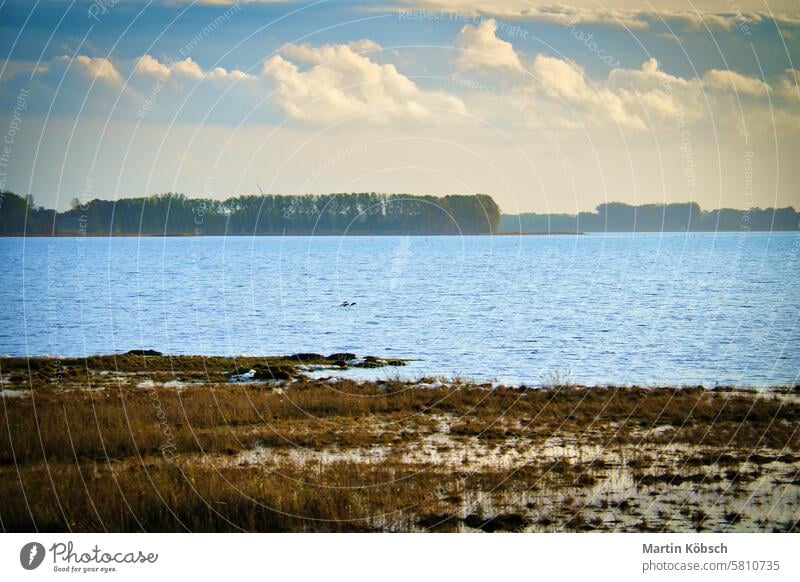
(368, 213)
(175, 214)
(618, 217)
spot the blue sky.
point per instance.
(163, 27)
(549, 108)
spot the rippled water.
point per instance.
(646, 308)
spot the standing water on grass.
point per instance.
(678, 309)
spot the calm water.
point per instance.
(677, 309)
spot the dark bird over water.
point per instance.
(347, 304)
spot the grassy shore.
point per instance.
(135, 443)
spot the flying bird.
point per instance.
(347, 304)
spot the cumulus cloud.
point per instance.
(329, 83)
(560, 91)
(560, 77)
(549, 77)
(724, 80)
(480, 48)
(150, 66)
(98, 68)
(530, 11)
(787, 19)
(317, 55)
(685, 100)
(698, 21)
(234, 75)
(786, 86)
(669, 37)
(650, 79)
(658, 95)
(628, 15)
(188, 68)
(564, 15)
(344, 82)
(567, 81)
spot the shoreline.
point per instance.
(312, 366)
(288, 452)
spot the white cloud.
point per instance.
(529, 11)
(669, 37)
(627, 14)
(560, 92)
(326, 84)
(561, 78)
(787, 19)
(564, 15)
(723, 80)
(565, 83)
(233, 75)
(188, 68)
(548, 83)
(698, 21)
(344, 83)
(651, 78)
(317, 55)
(98, 68)
(480, 48)
(657, 94)
(787, 85)
(680, 100)
(150, 66)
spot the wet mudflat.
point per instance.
(146, 442)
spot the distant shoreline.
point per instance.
(365, 214)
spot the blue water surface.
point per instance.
(681, 309)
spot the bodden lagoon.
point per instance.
(668, 309)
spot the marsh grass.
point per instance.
(101, 444)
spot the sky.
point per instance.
(547, 107)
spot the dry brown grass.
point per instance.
(125, 458)
(123, 421)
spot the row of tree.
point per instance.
(367, 213)
(685, 217)
(176, 214)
